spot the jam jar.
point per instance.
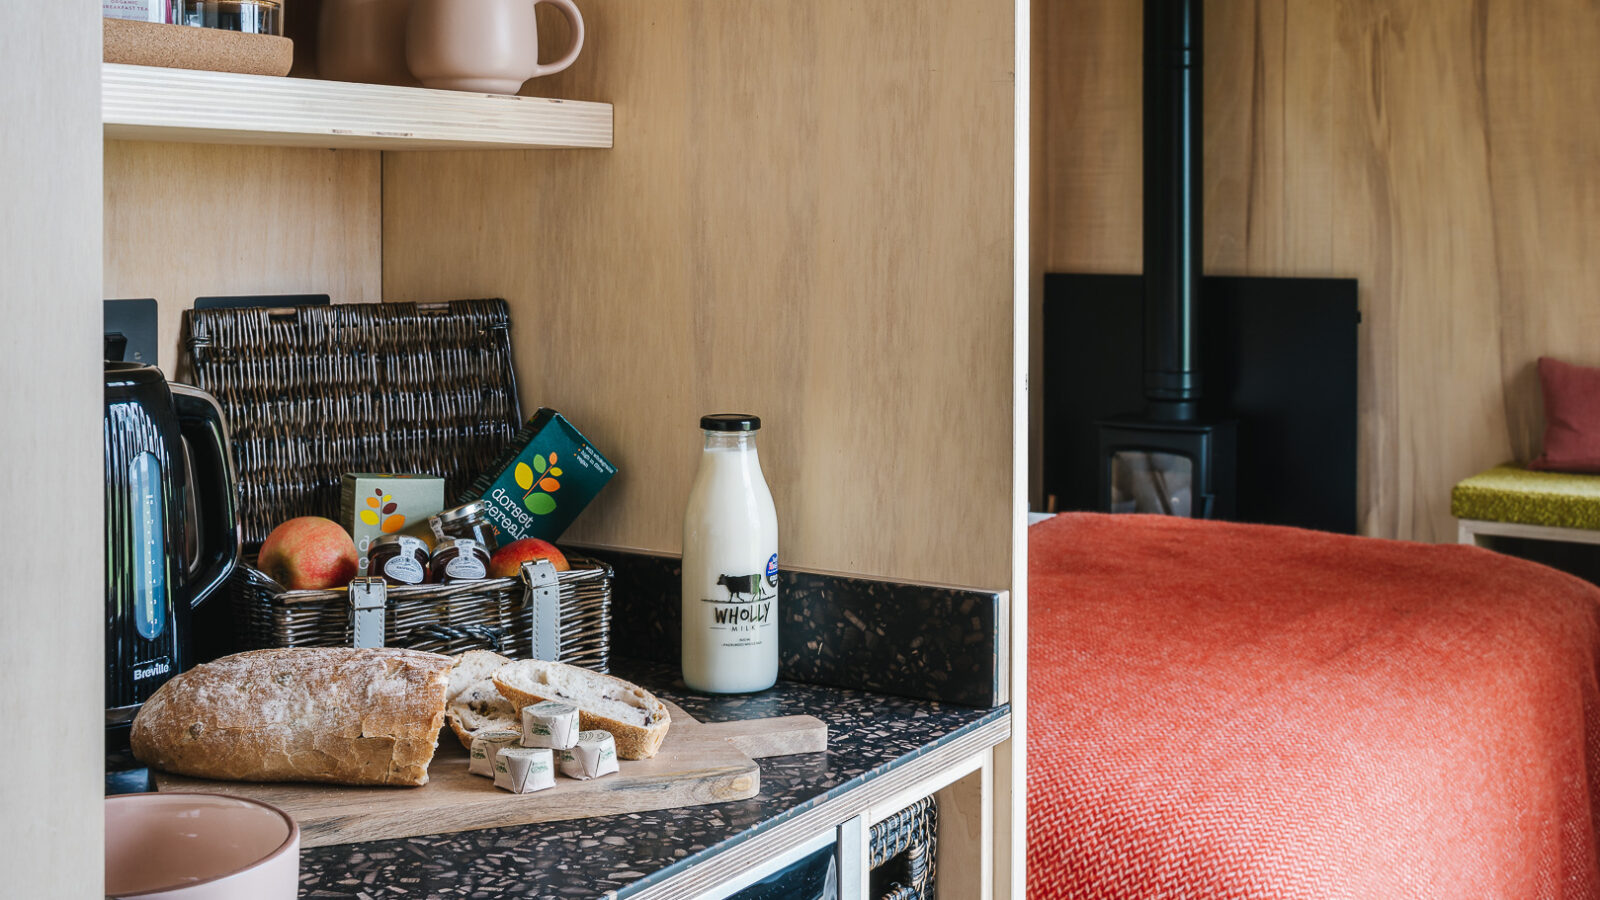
(398, 559)
(466, 521)
(460, 559)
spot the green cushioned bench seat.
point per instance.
(1511, 493)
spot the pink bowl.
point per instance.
(199, 847)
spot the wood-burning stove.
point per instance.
(1168, 459)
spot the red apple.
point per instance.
(508, 560)
(309, 554)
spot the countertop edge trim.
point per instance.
(724, 863)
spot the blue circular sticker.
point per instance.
(772, 570)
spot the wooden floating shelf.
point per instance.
(144, 103)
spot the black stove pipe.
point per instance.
(1173, 37)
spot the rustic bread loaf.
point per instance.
(636, 719)
(473, 703)
(318, 714)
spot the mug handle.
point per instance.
(575, 21)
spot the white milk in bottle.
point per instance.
(730, 564)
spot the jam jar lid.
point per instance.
(399, 539)
(466, 512)
(398, 559)
(469, 520)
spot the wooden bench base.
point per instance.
(1469, 531)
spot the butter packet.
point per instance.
(523, 770)
(550, 724)
(486, 745)
(595, 755)
(545, 477)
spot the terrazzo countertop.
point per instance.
(619, 856)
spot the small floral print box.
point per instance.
(373, 504)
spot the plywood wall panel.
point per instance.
(807, 215)
(1542, 88)
(1429, 149)
(194, 220)
(1090, 53)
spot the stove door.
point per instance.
(1152, 481)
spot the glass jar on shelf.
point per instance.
(243, 16)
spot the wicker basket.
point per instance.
(904, 848)
(500, 614)
(314, 392)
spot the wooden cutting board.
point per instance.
(698, 763)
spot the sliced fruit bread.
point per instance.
(633, 715)
(472, 703)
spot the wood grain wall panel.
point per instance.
(1544, 151)
(807, 215)
(1429, 149)
(1090, 51)
(194, 220)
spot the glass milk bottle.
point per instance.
(730, 564)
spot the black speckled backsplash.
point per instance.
(909, 640)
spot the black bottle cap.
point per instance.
(730, 422)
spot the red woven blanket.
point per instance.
(1231, 711)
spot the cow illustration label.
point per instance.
(738, 611)
(748, 602)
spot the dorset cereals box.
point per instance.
(545, 478)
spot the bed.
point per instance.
(1239, 711)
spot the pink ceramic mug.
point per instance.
(189, 846)
(490, 46)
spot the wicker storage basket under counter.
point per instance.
(904, 849)
(565, 616)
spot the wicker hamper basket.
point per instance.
(499, 614)
(313, 392)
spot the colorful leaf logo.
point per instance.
(381, 512)
(536, 491)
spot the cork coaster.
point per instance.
(188, 47)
